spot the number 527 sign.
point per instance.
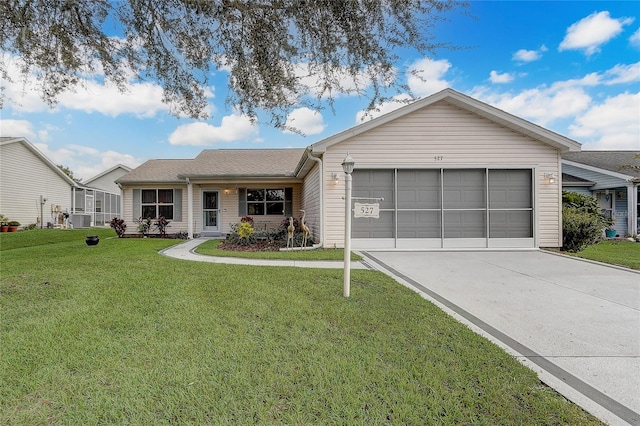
(367, 210)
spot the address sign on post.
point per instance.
(367, 210)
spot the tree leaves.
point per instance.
(280, 54)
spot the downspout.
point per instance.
(189, 209)
(321, 198)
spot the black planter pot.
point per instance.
(92, 240)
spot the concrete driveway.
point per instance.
(576, 323)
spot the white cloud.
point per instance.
(234, 127)
(17, 129)
(139, 99)
(540, 105)
(84, 161)
(612, 124)
(622, 74)
(524, 55)
(635, 38)
(426, 76)
(591, 32)
(305, 120)
(386, 107)
(497, 78)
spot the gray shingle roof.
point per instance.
(218, 163)
(607, 160)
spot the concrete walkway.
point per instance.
(576, 323)
(186, 251)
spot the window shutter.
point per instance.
(288, 202)
(137, 209)
(242, 202)
(177, 205)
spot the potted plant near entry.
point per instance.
(13, 226)
(610, 232)
(4, 224)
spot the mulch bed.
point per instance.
(259, 246)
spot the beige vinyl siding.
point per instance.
(310, 201)
(24, 177)
(130, 216)
(444, 136)
(229, 201)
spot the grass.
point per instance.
(621, 253)
(210, 248)
(117, 334)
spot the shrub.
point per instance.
(580, 229)
(247, 219)
(582, 221)
(242, 234)
(144, 225)
(119, 226)
(161, 224)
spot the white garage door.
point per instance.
(446, 208)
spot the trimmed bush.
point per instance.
(580, 229)
(582, 221)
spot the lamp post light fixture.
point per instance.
(347, 166)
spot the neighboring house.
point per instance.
(107, 179)
(454, 173)
(33, 189)
(603, 175)
(107, 182)
(31, 186)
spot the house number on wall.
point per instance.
(438, 158)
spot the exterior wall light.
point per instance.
(335, 178)
(550, 177)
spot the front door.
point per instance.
(210, 211)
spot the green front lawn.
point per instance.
(117, 334)
(621, 253)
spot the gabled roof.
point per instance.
(106, 172)
(218, 164)
(607, 162)
(464, 102)
(5, 141)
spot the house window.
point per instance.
(268, 201)
(156, 203)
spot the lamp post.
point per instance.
(347, 166)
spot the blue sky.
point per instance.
(572, 67)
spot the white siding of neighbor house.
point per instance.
(24, 177)
(310, 201)
(444, 136)
(107, 182)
